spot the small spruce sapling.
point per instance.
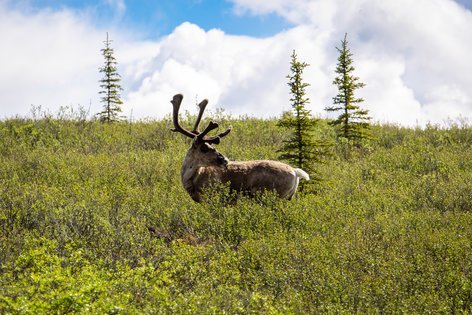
(353, 123)
(302, 149)
(110, 84)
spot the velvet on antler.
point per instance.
(195, 133)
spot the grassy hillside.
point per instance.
(93, 219)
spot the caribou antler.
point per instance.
(216, 139)
(199, 136)
(176, 101)
(211, 126)
(202, 106)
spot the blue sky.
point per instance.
(155, 18)
(413, 56)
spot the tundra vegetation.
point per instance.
(94, 220)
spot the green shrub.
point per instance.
(94, 219)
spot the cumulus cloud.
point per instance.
(243, 75)
(413, 56)
(51, 58)
(229, 70)
(45, 61)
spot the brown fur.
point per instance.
(204, 165)
(201, 169)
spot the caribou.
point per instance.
(204, 165)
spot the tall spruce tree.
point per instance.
(110, 84)
(301, 149)
(353, 123)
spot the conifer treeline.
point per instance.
(304, 148)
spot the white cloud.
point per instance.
(241, 74)
(387, 98)
(46, 60)
(403, 50)
(413, 56)
(51, 58)
(447, 102)
(119, 7)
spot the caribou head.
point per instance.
(203, 164)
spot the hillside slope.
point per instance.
(93, 219)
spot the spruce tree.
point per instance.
(353, 122)
(301, 149)
(110, 84)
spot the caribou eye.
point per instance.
(204, 149)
